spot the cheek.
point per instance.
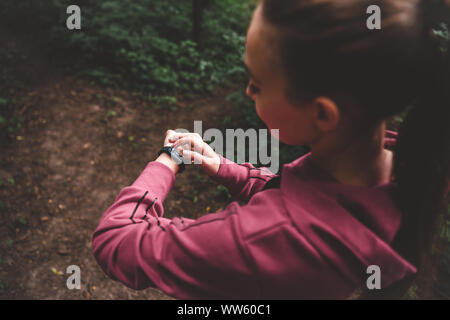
(267, 112)
(292, 123)
(273, 114)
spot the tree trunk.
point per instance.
(198, 7)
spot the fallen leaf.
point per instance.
(86, 146)
(44, 218)
(57, 272)
(19, 138)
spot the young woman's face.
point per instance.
(267, 87)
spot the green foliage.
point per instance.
(166, 102)
(443, 36)
(221, 193)
(22, 221)
(110, 113)
(146, 45)
(3, 287)
(9, 243)
(10, 120)
(412, 293)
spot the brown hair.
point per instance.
(325, 48)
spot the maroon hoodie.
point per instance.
(302, 235)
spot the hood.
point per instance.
(351, 226)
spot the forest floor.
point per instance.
(79, 145)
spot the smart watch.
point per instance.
(176, 157)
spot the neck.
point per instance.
(359, 159)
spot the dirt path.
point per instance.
(78, 147)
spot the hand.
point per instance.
(194, 150)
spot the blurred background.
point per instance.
(83, 111)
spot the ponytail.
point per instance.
(422, 154)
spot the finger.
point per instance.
(182, 146)
(180, 149)
(175, 137)
(195, 143)
(206, 163)
(186, 150)
(192, 157)
(191, 142)
(179, 135)
(170, 133)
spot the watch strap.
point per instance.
(175, 155)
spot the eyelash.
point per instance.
(253, 88)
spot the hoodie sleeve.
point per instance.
(242, 180)
(189, 259)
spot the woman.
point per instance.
(323, 79)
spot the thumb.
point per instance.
(169, 133)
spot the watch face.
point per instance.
(176, 156)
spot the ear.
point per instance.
(326, 114)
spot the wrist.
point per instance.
(165, 159)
